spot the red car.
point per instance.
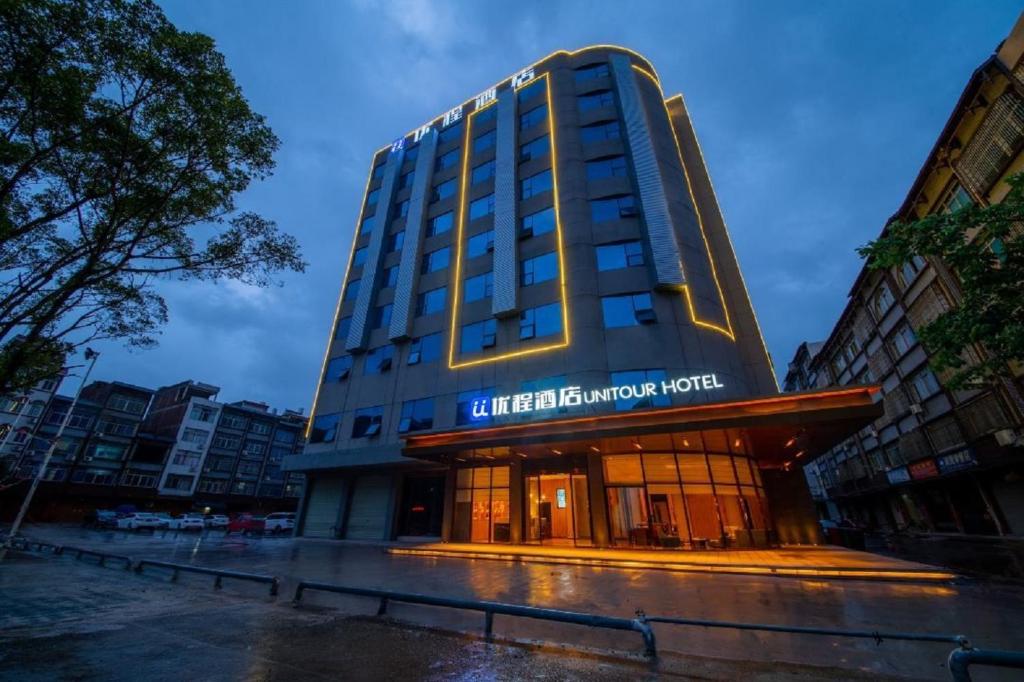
(246, 524)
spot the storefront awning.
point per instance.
(781, 429)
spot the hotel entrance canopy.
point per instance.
(781, 429)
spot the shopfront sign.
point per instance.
(926, 468)
(575, 396)
(955, 461)
(897, 476)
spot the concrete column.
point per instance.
(448, 516)
(598, 508)
(515, 500)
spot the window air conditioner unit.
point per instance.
(915, 408)
(1005, 437)
(646, 316)
(489, 341)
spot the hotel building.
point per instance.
(543, 336)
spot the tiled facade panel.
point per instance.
(402, 312)
(506, 246)
(368, 284)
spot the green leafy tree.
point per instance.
(123, 145)
(982, 246)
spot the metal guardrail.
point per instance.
(489, 609)
(218, 573)
(961, 659)
(102, 556)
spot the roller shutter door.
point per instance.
(323, 508)
(368, 514)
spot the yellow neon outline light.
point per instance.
(341, 299)
(457, 285)
(714, 194)
(556, 53)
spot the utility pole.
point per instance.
(91, 356)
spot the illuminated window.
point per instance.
(344, 324)
(380, 317)
(600, 132)
(435, 260)
(480, 244)
(538, 223)
(484, 141)
(390, 276)
(425, 349)
(325, 428)
(588, 73)
(478, 335)
(431, 302)
(608, 167)
(417, 415)
(544, 320)
(395, 242)
(627, 310)
(479, 287)
(484, 206)
(530, 91)
(535, 184)
(637, 378)
(533, 117)
(440, 224)
(379, 360)
(484, 171)
(535, 149)
(367, 422)
(338, 369)
(613, 208)
(538, 269)
(620, 255)
(352, 290)
(595, 100)
(446, 160)
(359, 257)
(444, 190)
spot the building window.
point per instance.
(637, 378)
(544, 320)
(627, 310)
(600, 132)
(620, 255)
(588, 73)
(444, 190)
(110, 451)
(395, 242)
(411, 154)
(379, 360)
(446, 160)
(248, 469)
(903, 339)
(924, 384)
(367, 422)
(484, 141)
(381, 316)
(908, 272)
(479, 287)
(483, 172)
(535, 184)
(540, 222)
(956, 197)
(440, 224)
(528, 92)
(535, 149)
(352, 290)
(195, 436)
(484, 206)
(338, 368)
(482, 116)
(450, 134)
(882, 300)
(435, 260)
(371, 198)
(538, 269)
(243, 488)
(359, 256)
(417, 415)
(186, 459)
(378, 171)
(425, 349)
(480, 244)
(325, 428)
(233, 421)
(202, 413)
(116, 427)
(405, 180)
(533, 117)
(123, 403)
(608, 167)
(226, 442)
(481, 512)
(178, 482)
(477, 336)
(613, 208)
(431, 302)
(366, 227)
(595, 100)
(341, 332)
(464, 406)
(402, 209)
(390, 277)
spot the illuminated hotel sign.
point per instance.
(574, 396)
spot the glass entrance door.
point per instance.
(558, 509)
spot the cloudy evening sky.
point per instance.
(814, 119)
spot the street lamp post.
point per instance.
(90, 355)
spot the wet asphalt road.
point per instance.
(989, 613)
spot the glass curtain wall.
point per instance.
(481, 505)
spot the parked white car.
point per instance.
(139, 520)
(279, 522)
(187, 522)
(217, 521)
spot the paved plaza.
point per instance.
(50, 603)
